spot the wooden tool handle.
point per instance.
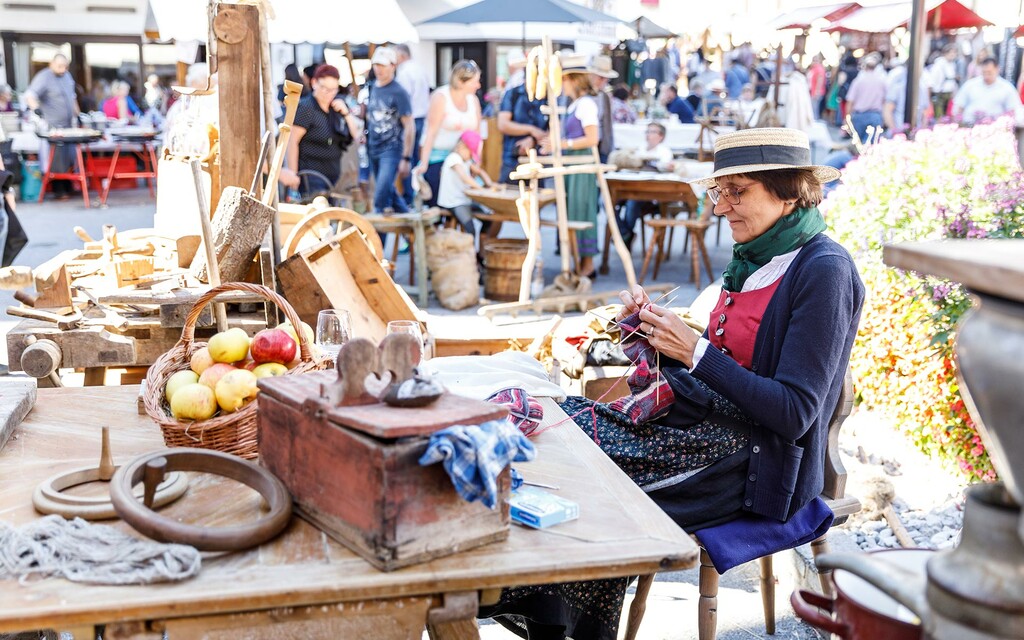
(152, 476)
(292, 93)
(212, 266)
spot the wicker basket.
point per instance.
(236, 432)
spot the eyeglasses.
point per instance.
(731, 194)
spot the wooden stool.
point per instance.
(695, 228)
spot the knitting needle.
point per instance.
(620, 325)
(670, 291)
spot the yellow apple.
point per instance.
(213, 375)
(179, 380)
(236, 389)
(306, 330)
(229, 346)
(194, 402)
(268, 369)
(201, 360)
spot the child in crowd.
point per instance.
(457, 175)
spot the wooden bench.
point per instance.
(834, 494)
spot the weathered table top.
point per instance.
(620, 531)
(995, 267)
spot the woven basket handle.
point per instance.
(188, 332)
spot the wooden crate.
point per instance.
(341, 273)
(353, 471)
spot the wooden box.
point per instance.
(353, 471)
(341, 273)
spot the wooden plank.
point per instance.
(619, 532)
(57, 294)
(397, 619)
(390, 300)
(238, 60)
(17, 397)
(239, 226)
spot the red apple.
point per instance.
(272, 345)
(214, 373)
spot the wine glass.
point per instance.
(411, 327)
(333, 329)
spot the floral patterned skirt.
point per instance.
(663, 460)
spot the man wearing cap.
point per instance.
(520, 120)
(600, 73)
(389, 131)
(413, 79)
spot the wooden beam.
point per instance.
(237, 28)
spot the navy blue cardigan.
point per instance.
(800, 358)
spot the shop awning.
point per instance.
(297, 21)
(942, 14)
(647, 28)
(77, 17)
(805, 17)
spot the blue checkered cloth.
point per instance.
(475, 455)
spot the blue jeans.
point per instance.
(385, 168)
(407, 181)
(864, 119)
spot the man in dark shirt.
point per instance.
(390, 129)
(519, 119)
(674, 104)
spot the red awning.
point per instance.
(945, 15)
(1019, 32)
(804, 17)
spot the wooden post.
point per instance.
(555, 127)
(237, 29)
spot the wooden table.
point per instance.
(647, 186)
(416, 224)
(303, 583)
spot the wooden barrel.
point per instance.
(503, 264)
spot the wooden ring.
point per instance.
(49, 496)
(164, 529)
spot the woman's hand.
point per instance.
(339, 105)
(667, 333)
(420, 168)
(632, 301)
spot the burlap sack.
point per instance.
(451, 257)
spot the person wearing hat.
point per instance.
(323, 128)
(600, 73)
(733, 427)
(454, 108)
(390, 132)
(580, 136)
(520, 120)
(457, 175)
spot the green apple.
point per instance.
(229, 346)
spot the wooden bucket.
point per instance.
(503, 264)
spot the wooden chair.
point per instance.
(695, 228)
(834, 494)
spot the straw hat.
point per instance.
(573, 62)
(765, 149)
(601, 65)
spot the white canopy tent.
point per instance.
(92, 17)
(297, 21)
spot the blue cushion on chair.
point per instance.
(750, 536)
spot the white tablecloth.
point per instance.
(681, 138)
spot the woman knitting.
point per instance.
(733, 423)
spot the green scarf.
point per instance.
(788, 234)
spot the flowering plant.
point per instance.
(949, 182)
